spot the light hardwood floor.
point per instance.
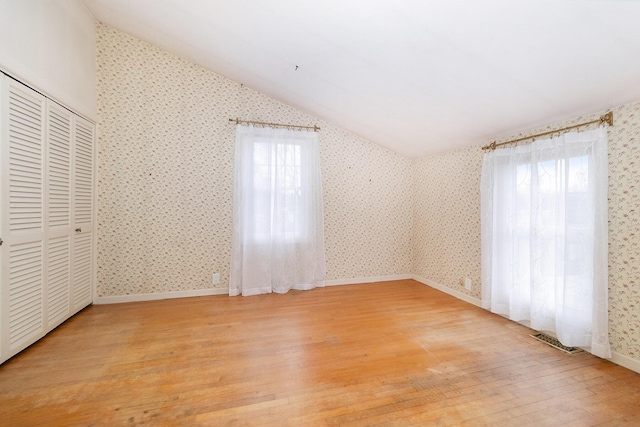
(389, 354)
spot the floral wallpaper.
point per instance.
(624, 230)
(446, 245)
(446, 223)
(166, 174)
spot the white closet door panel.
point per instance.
(58, 221)
(82, 249)
(58, 283)
(26, 321)
(82, 271)
(4, 215)
(23, 223)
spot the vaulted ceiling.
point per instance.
(416, 76)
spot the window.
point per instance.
(278, 190)
(278, 224)
(544, 244)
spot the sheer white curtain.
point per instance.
(544, 237)
(278, 222)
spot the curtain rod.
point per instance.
(605, 119)
(250, 122)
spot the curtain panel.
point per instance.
(545, 238)
(278, 220)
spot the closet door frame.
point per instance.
(62, 280)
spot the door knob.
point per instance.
(78, 230)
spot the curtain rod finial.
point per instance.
(491, 146)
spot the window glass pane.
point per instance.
(279, 202)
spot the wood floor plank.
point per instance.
(381, 354)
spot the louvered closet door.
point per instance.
(83, 222)
(23, 212)
(46, 211)
(58, 202)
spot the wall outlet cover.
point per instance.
(216, 278)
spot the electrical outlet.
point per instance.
(216, 278)
(467, 283)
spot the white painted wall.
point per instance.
(51, 46)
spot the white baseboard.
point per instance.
(358, 280)
(617, 358)
(447, 290)
(625, 361)
(160, 296)
(224, 291)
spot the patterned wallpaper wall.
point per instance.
(166, 173)
(446, 243)
(446, 221)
